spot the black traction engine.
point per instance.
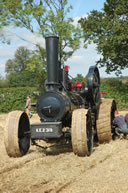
(64, 104)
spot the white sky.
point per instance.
(81, 60)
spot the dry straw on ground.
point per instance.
(105, 171)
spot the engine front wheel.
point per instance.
(82, 133)
(17, 134)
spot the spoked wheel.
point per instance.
(105, 120)
(17, 134)
(82, 134)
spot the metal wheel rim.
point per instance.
(23, 134)
(89, 132)
(15, 134)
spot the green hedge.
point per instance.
(117, 90)
(15, 98)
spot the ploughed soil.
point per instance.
(57, 169)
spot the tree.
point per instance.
(21, 79)
(37, 64)
(56, 23)
(46, 17)
(19, 63)
(3, 82)
(108, 29)
(2, 23)
(78, 78)
(17, 75)
(27, 68)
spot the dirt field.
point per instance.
(59, 170)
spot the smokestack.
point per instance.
(52, 61)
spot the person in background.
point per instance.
(120, 123)
(126, 119)
(28, 106)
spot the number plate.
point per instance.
(44, 130)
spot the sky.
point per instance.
(81, 60)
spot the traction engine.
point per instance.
(67, 110)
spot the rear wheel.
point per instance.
(17, 134)
(105, 119)
(82, 134)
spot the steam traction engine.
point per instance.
(63, 105)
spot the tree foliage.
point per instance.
(23, 79)
(46, 17)
(108, 29)
(15, 98)
(27, 68)
(37, 65)
(19, 63)
(3, 82)
(117, 90)
(78, 78)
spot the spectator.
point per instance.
(120, 123)
(28, 106)
(126, 119)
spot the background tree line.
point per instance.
(15, 98)
(25, 69)
(107, 29)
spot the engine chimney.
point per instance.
(52, 62)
